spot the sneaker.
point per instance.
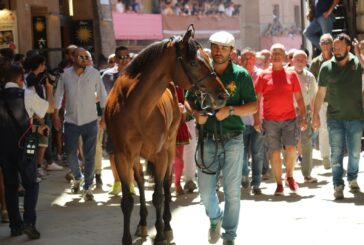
(115, 189)
(256, 190)
(279, 191)
(354, 187)
(309, 179)
(98, 179)
(31, 231)
(245, 183)
(292, 184)
(16, 232)
(190, 186)
(226, 242)
(69, 176)
(339, 192)
(88, 195)
(326, 163)
(54, 167)
(178, 190)
(41, 173)
(215, 232)
(75, 186)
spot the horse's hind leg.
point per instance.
(127, 201)
(142, 230)
(167, 208)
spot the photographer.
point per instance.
(18, 147)
(35, 81)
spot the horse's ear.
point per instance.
(190, 33)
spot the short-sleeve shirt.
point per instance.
(316, 65)
(109, 77)
(277, 88)
(238, 83)
(343, 89)
(32, 102)
(308, 86)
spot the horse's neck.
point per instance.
(147, 92)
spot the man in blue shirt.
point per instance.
(321, 18)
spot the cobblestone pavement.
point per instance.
(309, 217)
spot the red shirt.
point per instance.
(277, 89)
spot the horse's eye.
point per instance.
(198, 93)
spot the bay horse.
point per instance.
(142, 117)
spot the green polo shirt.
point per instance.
(316, 64)
(238, 83)
(344, 89)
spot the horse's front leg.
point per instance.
(167, 207)
(127, 205)
(142, 229)
(157, 202)
(127, 201)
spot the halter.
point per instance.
(195, 85)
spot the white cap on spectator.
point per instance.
(223, 38)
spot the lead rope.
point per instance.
(199, 153)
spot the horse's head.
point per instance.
(195, 73)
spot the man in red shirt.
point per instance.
(277, 87)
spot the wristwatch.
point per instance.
(231, 111)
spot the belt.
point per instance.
(219, 137)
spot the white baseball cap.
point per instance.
(222, 38)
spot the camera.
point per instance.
(52, 78)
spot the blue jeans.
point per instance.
(253, 143)
(317, 27)
(88, 132)
(229, 160)
(345, 133)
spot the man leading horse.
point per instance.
(222, 139)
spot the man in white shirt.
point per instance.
(80, 83)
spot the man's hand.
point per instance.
(356, 46)
(327, 13)
(102, 124)
(303, 124)
(56, 122)
(316, 122)
(43, 130)
(258, 127)
(200, 118)
(222, 113)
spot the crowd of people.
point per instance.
(200, 7)
(278, 102)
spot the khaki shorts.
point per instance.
(43, 141)
(280, 133)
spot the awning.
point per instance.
(132, 26)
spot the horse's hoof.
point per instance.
(164, 242)
(141, 231)
(168, 235)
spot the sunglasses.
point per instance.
(83, 58)
(326, 42)
(122, 57)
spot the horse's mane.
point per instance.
(152, 52)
